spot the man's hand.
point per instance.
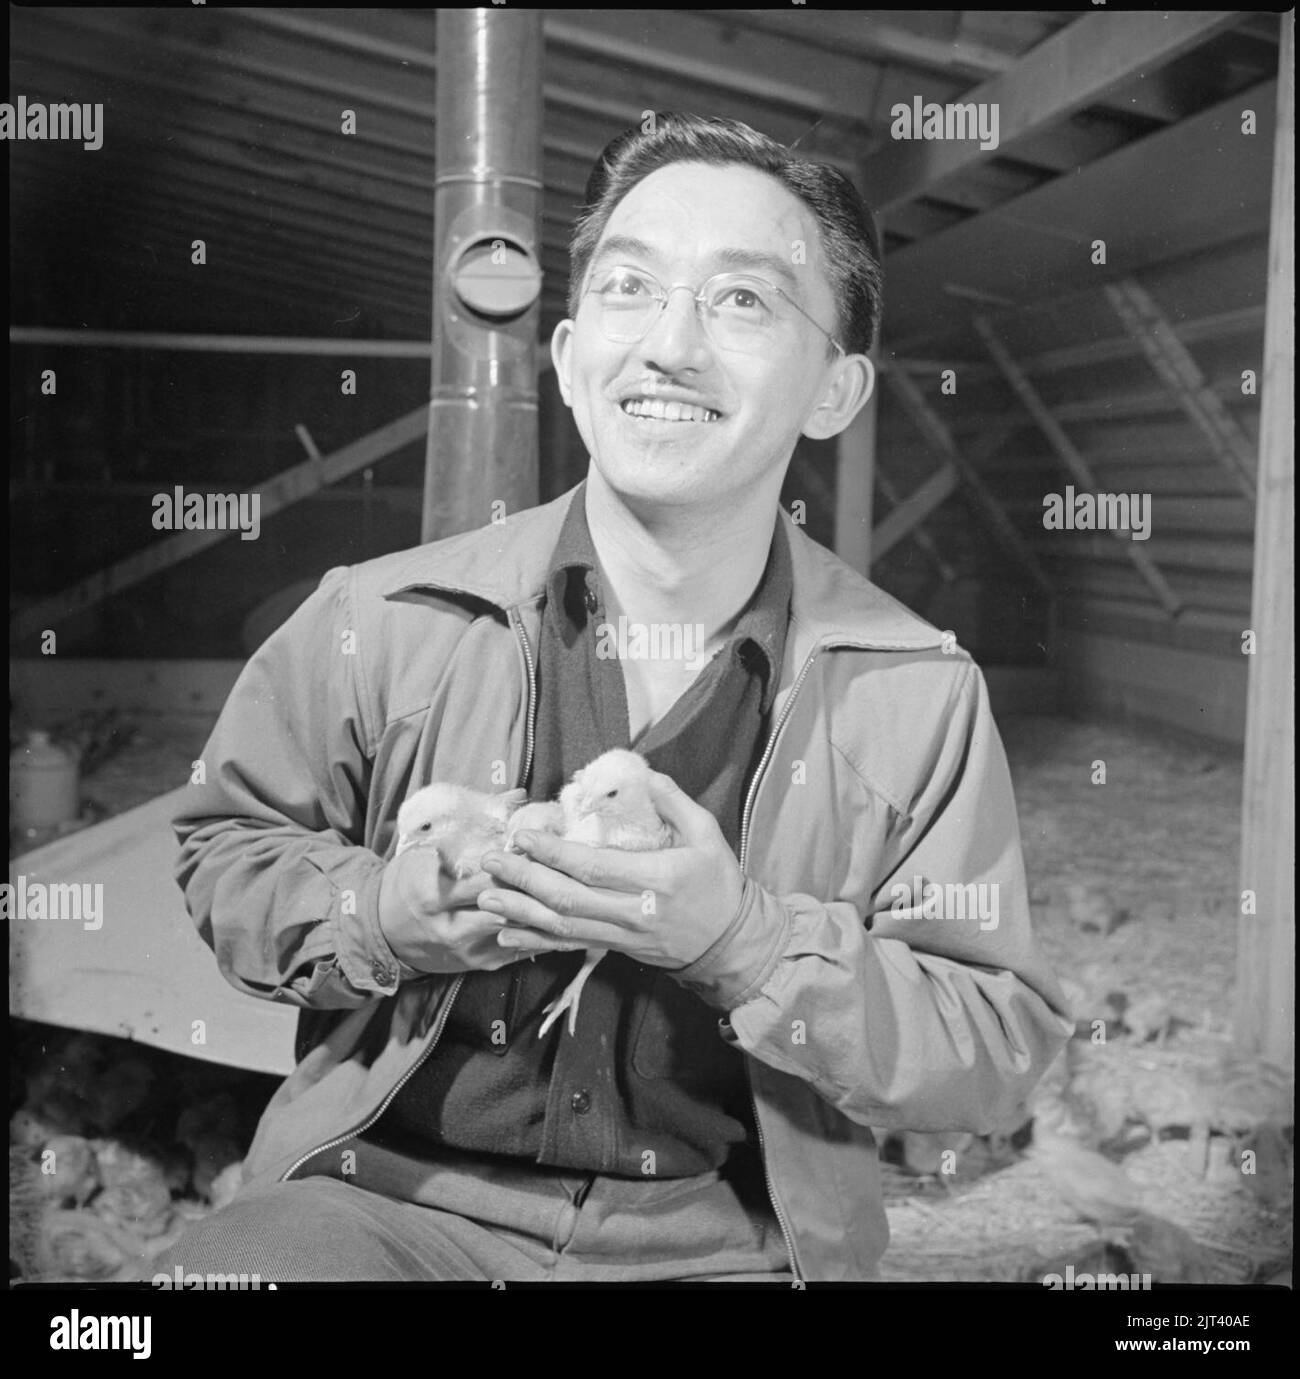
(663, 908)
(429, 919)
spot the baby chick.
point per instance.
(607, 804)
(539, 817)
(462, 823)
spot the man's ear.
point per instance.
(851, 383)
(561, 355)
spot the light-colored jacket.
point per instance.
(899, 985)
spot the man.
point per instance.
(774, 985)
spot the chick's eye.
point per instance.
(425, 827)
(609, 794)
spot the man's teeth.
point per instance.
(667, 411)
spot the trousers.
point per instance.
(383, 1216)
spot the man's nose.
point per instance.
(677, 338)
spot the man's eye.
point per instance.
(741, 300)
(623, 285)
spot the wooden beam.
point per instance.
(1195, 555)
(220, 344)
(911, 511)
(304, 261)
(692, 46)
(405, 38)
(1076, 67)
(855, 480)
(1264, 1020)
(1244, 320)
(1183, 190)
(861, 31)
(276, 493)
(408, 203)
(1173, 363)
(1070, 457)
(908, 513)
(940, 440)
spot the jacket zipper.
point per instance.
(443, 1014)
(531, 716)
(530, 721)
(767, 756)
(383, 1105)
(744, 849)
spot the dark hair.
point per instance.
(848, 232)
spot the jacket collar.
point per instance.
(506, 564)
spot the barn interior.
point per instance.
(252, 286)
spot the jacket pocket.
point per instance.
(676, 1035)
(486, 1011)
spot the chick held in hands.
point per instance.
(461, 823)
(608, 804)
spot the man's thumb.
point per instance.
(676, 807)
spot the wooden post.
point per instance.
(855, 480)
(1264, 1021)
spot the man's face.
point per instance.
(691, 221)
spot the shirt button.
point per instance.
(383, 975)
(581, 1103)
(589, 600)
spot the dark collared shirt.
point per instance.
(646, 1085)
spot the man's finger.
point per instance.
(523, 912)
(556, 891)
(521, 943)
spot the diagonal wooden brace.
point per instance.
(940, 440)
(1071, 458)
(1172, 361)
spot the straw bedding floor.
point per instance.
(1134, 886)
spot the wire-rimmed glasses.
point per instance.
(739, 311)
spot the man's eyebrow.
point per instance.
(624, 245)
(748, 258)
(728, 259)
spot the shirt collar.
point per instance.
(503, 565)
(761, 627)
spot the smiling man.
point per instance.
(775, 984)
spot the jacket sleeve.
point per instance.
(926, 1014)
(272, 864)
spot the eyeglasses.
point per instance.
(737, 310)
